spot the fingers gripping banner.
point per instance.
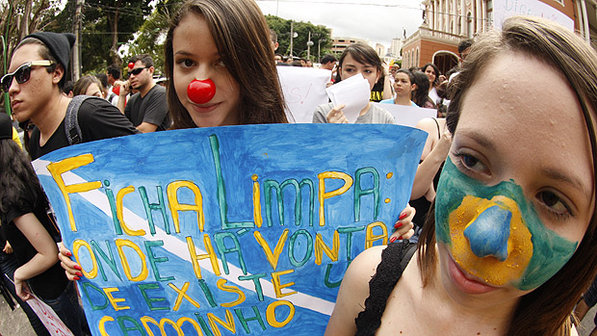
(228, 230)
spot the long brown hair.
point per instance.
(242, 37)
(547, 309)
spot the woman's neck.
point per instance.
(365, 110)
(402, 100)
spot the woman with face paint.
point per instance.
(512, 245)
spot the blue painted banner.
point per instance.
(226, 230)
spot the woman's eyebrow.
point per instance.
(479, 137)
(557, 175)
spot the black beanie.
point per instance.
(5, 126)
(59, 44)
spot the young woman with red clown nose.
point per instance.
(512, 245)
(220, 62)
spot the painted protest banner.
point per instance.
(226, 230)
(408, 115)
(304, 90)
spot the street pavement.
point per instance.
(16, 323)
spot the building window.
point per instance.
(469, 25)
(417, 61)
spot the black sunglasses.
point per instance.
(137, 71)
(22, 74)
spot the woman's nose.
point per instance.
(488, 233)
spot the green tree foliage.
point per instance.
(153, 32)
(19, 18)
(319, 34)
(107, 24)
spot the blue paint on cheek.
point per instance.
(488, 233)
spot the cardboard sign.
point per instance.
(304, 90)
(226, 230)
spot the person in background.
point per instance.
(512, 245)
(421, 89)
(433, 75)
(103, 78)
(9, 263)
(26, 224)
(113, 75)
(357, 58)
(34, 85)
(274, 39)
(404, 87)
(382, 88)
(147, 109)
(328, 62)
(88, 85)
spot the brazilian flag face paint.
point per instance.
(494, 233)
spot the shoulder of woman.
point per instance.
(428, 125)
(362, 268)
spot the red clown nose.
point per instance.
(131, 65)
(201, 91)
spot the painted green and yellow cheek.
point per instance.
(494, 233)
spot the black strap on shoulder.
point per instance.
(439, 134)
(394, 259)
(71, 120)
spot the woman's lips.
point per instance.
(205, 108)
(466, 282)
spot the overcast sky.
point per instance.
(372, 20)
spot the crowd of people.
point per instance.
(500, 237)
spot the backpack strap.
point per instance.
(394, 260)
(71, 120)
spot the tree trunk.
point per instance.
(114, 49)
(24, 24)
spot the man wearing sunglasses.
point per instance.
(34, 83)
(148, 108)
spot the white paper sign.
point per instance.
(503, 9)
(304, 90)
(408, 115)
(354, 93)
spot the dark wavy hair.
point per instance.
(547, 309)
(242, 37)
(421, 94)
(18, 181)
(435, 68)
(363, 54)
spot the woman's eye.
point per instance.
(185, 62)
(554, 203)
(368, 71)
(220, 63)
(472, 163)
